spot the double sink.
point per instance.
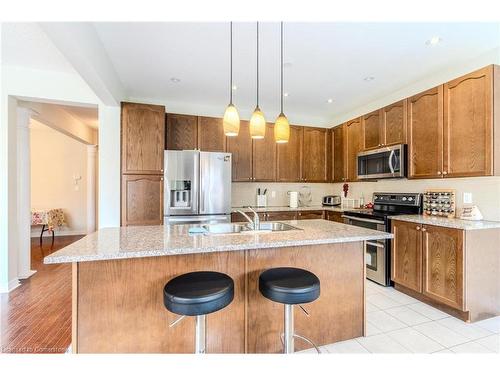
(247, 227)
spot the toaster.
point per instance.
(331, 200)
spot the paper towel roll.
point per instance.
(294, 199)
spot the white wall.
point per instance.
(55, 159)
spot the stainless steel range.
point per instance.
(378, 253)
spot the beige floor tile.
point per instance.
(407, 315)
(382, 301)
(444, 351)
(383, 321)
(372, 330)
(381, 344)
(491, 342)
(468, 330)
(348, 346)
(441, 334)
(402, 298)
(415, 341)
(371, 307)
(492, 324)
(470, 347)
(428, 311)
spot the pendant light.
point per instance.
(257, 121)
(281, 126)
(231, 121)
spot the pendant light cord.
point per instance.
(257, 64)
(281, 66)
(231, 63)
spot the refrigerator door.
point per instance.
(215, 183)
(181, 182)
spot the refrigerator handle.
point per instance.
(202, 182)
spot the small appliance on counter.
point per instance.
(332, 200)
(293, 197)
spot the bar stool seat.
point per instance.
(198, 293)
(290, 286)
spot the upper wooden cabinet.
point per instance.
(425, 134)
(211, 135)
(468, 125)
(264, 156)
(314, 164)
(289, 157)
(143, 137)
(241, 148)
(393, 122)
(339, 154)
(182, 132)
(372, 130)
(354, 134)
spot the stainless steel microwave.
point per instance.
(384, 162)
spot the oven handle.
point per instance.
(363, 219)
(376, 244)
(391, 166)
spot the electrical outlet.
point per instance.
(273, 194)
(467, 198)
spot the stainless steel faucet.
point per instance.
(255, 222)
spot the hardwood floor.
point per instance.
(36, 316)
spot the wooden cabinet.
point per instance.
(289, 157)
(393, 122)
(406, 255)
(142, 200)
(236, 217)
(143, 137)
(425, 134)
(281, 215)
(306, 215)
(334, 216)
(443, 265)
(264, 156)
(241, 148)
(354, 142)
(372, 130)
(314, 164)
(181, 132)
(339, 154)
(211, 135)
(468, 125)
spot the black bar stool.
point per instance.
(198, 294)
(290, 286)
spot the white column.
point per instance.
(24, 193)
(91, 188)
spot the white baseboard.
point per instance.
(28, 275)
(9, 286)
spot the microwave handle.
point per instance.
(391, 166)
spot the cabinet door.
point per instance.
(281, 215)
(394, 119)
(306, 215)
(425, 134)
(241, 148)
(211, 135)
(354, 145)
(444, 265)
(182, 132)
(314, 155)
(334, 216)
(264, 156)
(468, 125)
(406, 255)
(372, 130)
(289, 157)
(339, 155)
(143, 138)
(142, 200)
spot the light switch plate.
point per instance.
(467, 198)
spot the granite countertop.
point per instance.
(449, 223)
(286, 208)
(161, 240)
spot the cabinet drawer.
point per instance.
(334, 216)
(281, 215)
(304, 215)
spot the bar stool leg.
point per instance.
(200, 343)
(288, 330)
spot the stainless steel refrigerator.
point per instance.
(197, 187)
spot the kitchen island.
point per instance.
(119, 274)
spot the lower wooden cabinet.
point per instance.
(236, 217)
(142, 200)
(281, 215)
(334, 216)
(455, 270)
(305, 215)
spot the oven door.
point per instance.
(376, 256)
(386, 162)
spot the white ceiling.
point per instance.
(328, 60)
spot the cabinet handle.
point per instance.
(418, 228)
(439, 172)
(445, 173)
(161, 178)
(161, 170)
(424, 230)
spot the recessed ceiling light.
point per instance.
(285, 94)
(433, 41)
(235, 87)
(175, 80)
(368, 79)
(330, 101)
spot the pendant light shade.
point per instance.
(257, 121)
(257, 124)
(231, 121)
(281, 125)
